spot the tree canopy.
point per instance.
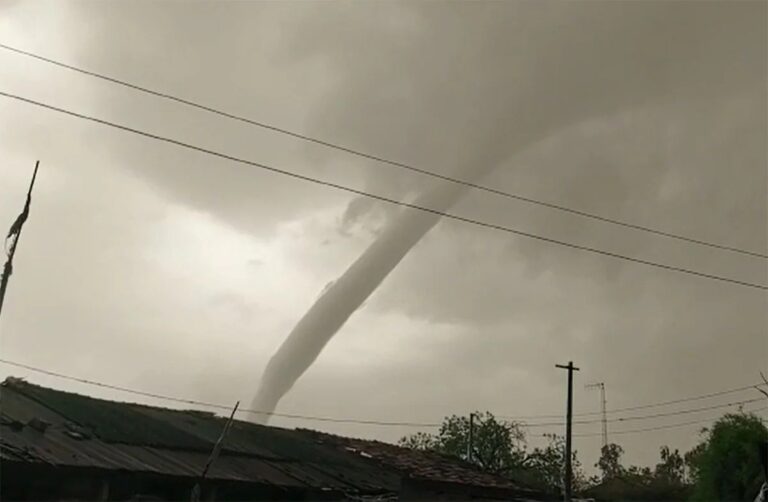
(497, 446)
(725, 465)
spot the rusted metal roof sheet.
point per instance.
(319, 465)
(416, 464)
(208, 427)
(79, 431)
(111, 421)
(368, 478)
(46, 426)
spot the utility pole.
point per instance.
(15, 232)
(568, 422)
(197, 489)
(601, 386)
(471, 437)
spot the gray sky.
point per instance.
(152, 267)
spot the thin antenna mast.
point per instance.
(601, 386)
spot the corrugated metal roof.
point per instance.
(272, 443)
(113, 422)
(208, 427)
(95, 433)
(417, 464)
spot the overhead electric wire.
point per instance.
(301, 416)
(661, 427)
(377, 158)
(648, 417)
(317, 181)
(213, 405)
(685, 399)
(643, 406)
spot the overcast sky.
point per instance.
(151, 267)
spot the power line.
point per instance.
(213, 405)
(662, 427)
(355, 191)
(685, 412)
(642, 406)
(684, 400)
(647, 417)
(377, 158)
(302, 416)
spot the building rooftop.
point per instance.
(44, 426)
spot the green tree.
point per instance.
(420, 441)
(671, 469)
(727, 463)
(610, 461)
(639, 475)
(665, 482)
(546, 466)
(497, 446)
(693, 459)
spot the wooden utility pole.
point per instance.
(15, 232)
(568, 422)
(197, 489)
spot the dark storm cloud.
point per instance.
(609, 63)
(651, 112)
(419, 83)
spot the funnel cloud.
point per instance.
(181, 274)
(581, 60)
